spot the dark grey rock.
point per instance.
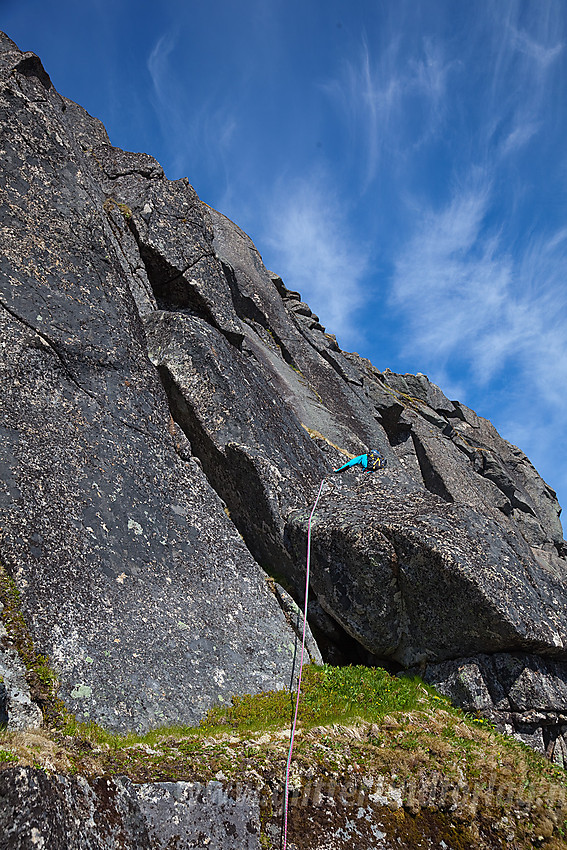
(249, 441)
(62, 812)
(362, 811)
(3, 705)
(414, 578)
(173, 235)
(164, 393)
(524, 695)
(341, 416)
(294, 615)
(422, 423)
(133, 579)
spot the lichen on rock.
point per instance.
(169, 411)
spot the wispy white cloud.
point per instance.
(158, 66)
(522, 51)
(468, 293)
(390, 101)
(542, 53)
(168, 100)
(428, 77)
(448, 282)
(466, 300)
(520, 134)
(400, 90)
(479, 281)
(315, 252)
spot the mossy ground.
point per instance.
(450, 776)
(358, 726)
(40, 677)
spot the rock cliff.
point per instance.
(133, 579)
(169, 409)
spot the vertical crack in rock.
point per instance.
(236, 479)
(431, 478)
(234, 476)
(171, 290)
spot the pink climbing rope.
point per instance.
(294, 724)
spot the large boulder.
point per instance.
(416, 579)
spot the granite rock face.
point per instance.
(523, 695)
(133, 578)
(170, 410)
(102, 814)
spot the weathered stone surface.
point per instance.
(17, 709)
(338, 413)
(363, 811)
(127, 301)
(414, 578)
(524, 695)
(133, 579)
(173, 236)
(62, 812)
(250, 443)
(496, 474)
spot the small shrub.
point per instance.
(112, 203)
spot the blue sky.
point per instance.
(402, 164)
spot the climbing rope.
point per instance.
(370, 462)
(294, 724)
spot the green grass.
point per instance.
(92, 733)
(329, 695)
(354, 722)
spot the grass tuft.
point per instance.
(329, 695)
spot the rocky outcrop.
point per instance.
(102, 814)
(523, 695)
(415, 579)
(369, 811)
(171, 408)
(133, 579)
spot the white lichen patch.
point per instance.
(37, 838)
(81, 691)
